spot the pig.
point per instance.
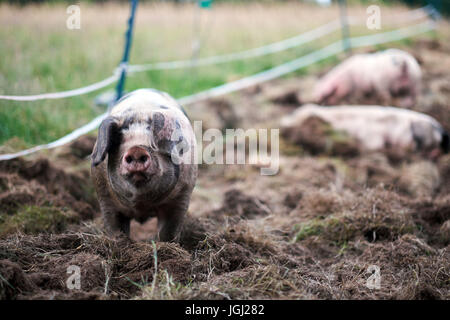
(390, 76)
(142, 163)
(377, 128)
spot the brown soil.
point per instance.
(309, 232)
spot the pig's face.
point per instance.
(140, 156)
(325, 94)
(404, 88)
(403, 92)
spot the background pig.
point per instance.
(142, 163)
(377, 128)
(388, 77)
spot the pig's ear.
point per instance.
(169, 135)
(159, 124)
(106, 133)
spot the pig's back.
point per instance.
(397, 56)
(375, 114)
(145, 101)
(371, 125)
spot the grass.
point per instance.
(34, 220)
(39, 54)
(343, 227)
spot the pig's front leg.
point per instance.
(116, 224)
(170, 220)
(382, 93)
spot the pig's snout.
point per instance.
(136, 163)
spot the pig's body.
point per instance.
(391, 76)
(142, 163)
(378, 128)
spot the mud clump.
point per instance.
(236, 203)
(194, 230)
(226, 113)
(420, 179)
(445, 232)
(289, 98)
(444, 171)
(318, 203)
(38, 197)
(374, 216)
(13, 281)
(432, 217)
(222, 256)
(317, 137)
(292, 199)
(82, 147)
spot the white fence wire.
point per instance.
(306, 60)
(271, 48)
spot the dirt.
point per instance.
(312, 231)
(38, 184)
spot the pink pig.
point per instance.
(391, 77)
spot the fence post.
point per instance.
(434, 8)
(344, 26)
(126, 53)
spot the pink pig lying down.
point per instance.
(378, 128)
(388, 77)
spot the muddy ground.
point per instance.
(309, 232)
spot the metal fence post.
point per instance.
(344, 26)
(126, 53)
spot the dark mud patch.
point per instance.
(226, 113)
(431, 217)
(41, 196)
(13, 281)
(83, 146)
(236, 203)
(116, 267)
(317, 137)
(289, 98)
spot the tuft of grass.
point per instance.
(164, 287)
(343, 227)
(308, 229)
(290, 149)
(34, 220)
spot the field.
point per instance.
(310, 232)
(39, 54)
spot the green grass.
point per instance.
(40, 55)
(33, 220)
